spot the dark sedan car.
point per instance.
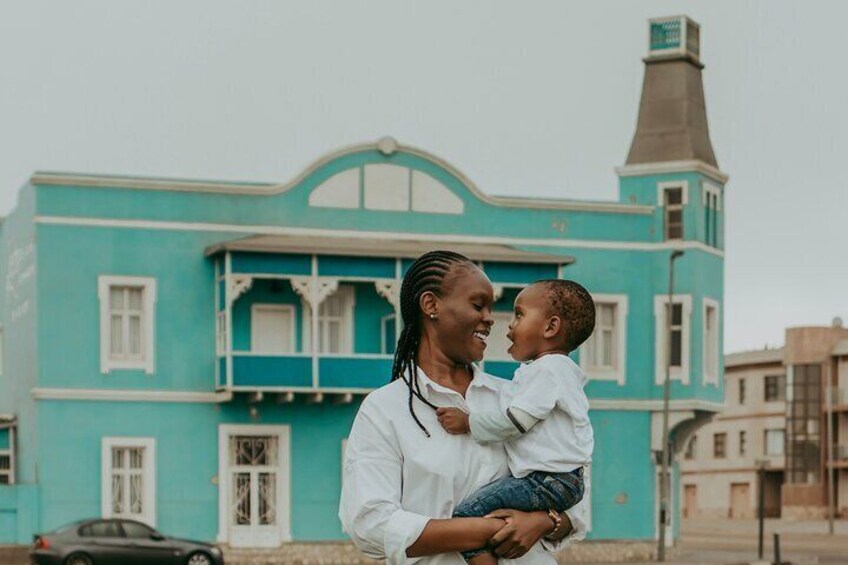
(118, 542)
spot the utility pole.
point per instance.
(664, 518)
(761, 471)
(831, 486)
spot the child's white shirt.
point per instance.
(550, 390)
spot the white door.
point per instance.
(254, 489)
(272, 328)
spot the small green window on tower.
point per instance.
(677, 35)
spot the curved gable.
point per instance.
(386, 187)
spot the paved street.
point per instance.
(727, 542)
(733, 542)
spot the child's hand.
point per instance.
(453, 420)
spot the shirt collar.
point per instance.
(479, 379)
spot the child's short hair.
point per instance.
(574, 305)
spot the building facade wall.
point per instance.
(746, 411)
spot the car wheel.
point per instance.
(79, 559)
(199, 559)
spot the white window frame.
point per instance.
(711, 378)
(221, 345)
(711, 193)
(708, 189)
(10, 452)
(662, 188)
(618, 372)
(148, 474)
(8, 473)
(347, 338)
(148, 298)
(766, 444)
(254, 330)
(661, 338)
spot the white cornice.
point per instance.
(118, 395)
(265, 189)
(123, 395)
(354, 234)
(655, 405)
(643, 169)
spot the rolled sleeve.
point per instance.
(402, 529)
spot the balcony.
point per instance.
(839, 397)
(313, 323)
(840, 456)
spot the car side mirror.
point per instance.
(156, 536)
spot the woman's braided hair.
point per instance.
(426, 274)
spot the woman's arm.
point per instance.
(454, 534)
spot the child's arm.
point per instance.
(486, 427)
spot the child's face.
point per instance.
(529, 320)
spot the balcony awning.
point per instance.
(379, 247)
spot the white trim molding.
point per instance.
(708, 377)
(265, 189)
(119, 395)
(661, 337)
(637, 405)
(148, 323)
(645, 169)
(359, 235)
(618, 372)
(148, 477)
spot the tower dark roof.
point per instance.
(672, 124)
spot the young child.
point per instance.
(544, 417)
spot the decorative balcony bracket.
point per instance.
(390, 290)
(313, 291)
(239, 284)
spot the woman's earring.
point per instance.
(433, 316)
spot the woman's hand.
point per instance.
(520, 532)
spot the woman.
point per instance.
(404, 474)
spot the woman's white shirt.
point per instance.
(396, 479)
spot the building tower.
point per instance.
(672, 167)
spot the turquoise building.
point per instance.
(192, 353)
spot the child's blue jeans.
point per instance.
(536, 491)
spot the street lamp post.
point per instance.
(664, 482)
(761, 504)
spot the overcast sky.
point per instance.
(526, 98)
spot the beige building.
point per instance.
(775, 425)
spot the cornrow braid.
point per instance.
(426, 274)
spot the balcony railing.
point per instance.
(296, 371)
